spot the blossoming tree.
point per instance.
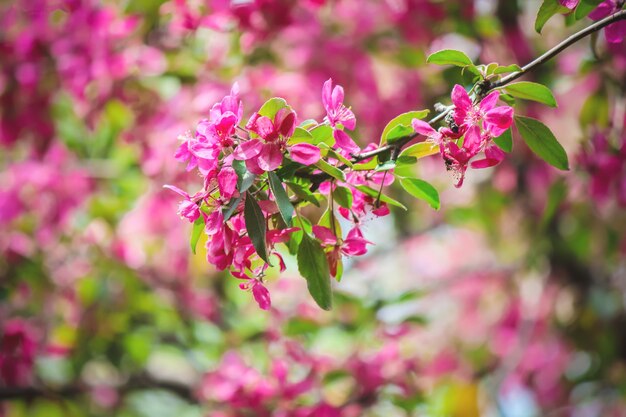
(383, 179)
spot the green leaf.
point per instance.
(230, 208)
(343, 196)
(548, 9)
(585, 7)
(255, 224)
(420, 150)
(450, 57)
(385, 166)
(313, 266)
(404, 166)
(422, 190)
(398, 132)
(532, 91)
(300, 135)
(505, 141)
(271, 107)
(322, 134)
(245, 178)
(330, 170)
(282, 199)
(367, 166)
(330, 221)
(308, 123)
(328, 151)
(403, 119)
(374, 193)
(196, 232)
(542, 142)
(595, 111)
(303, 192)
(506, 69)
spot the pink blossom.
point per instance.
(570, 4)
(266, 152)
(614, 32)
(353, 245)
(17, 352)
(456, 158)
(338, 114)
(187, 209)
(495, 120)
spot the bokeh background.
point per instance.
(509, 301)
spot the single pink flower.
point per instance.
(353, 245)
(494, 119)
(266, 152)
(337, 113)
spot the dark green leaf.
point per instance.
(505, 141)
(245, 178)
(196, 232)
(542, 142)
(532, 91)
(230, 208)
(313, 266)
(255, 224)
(282, 199)
(422, 190)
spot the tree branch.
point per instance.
(600, 24)
(621, 15)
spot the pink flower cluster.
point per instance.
(475, 125)
(234, 162)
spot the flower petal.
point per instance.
(305, 153)
(247, 150)
(270, 157)
(343, 141)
